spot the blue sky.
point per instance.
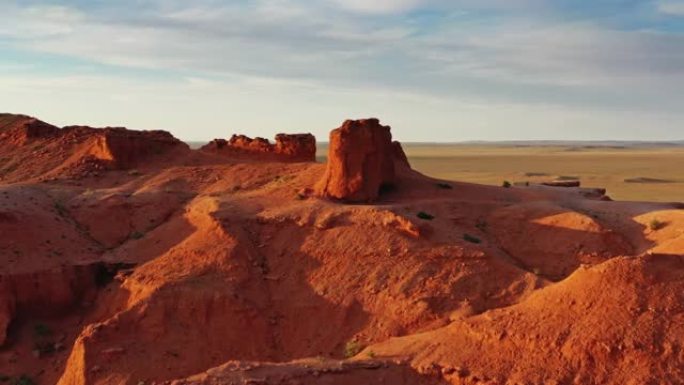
(435, 70)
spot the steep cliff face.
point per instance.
(38, 150)
(400, 158)
(287, 147)
(360, 162)
(125, 149)
(246, 143)
(296, 146)
(20, 129)
(45, 293)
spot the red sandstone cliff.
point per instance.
(287, 147)
(361, 161)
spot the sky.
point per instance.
(434, 70)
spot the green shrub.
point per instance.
(471, 239)
(44, 347)
(656, 224)
(61, 210)
(42, 330)
(425, 216)
(352, 348)
(444, 186)
(22, 380)
(506, 184)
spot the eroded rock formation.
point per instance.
(35, 149)
(248, 144)
(400, 156)
(296, 146)
(44, 293)
(120, 148)
(287, 147)
(19, 129)
(212, 270)
(562, 183)
(360, 161)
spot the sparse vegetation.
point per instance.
(352, 348)
(137, 235)
(371, 354)
(471, 239)
(444, 186)
(491, 164)
(320, 359)
(506, 184)
(4, 378)
(61, 210)
(481, 225)
(134, 172)
(425, 216)
(42, 330)
(43, 343)
(656, 224)
(43, 347)
(22, 380)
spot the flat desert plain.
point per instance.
(643, 173)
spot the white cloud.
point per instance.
(390, 7)
(284, 39)
(563, 55)
(380, 6)
(316, 57)
(202, 109)
(39, 21)
(671, 7)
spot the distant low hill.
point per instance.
(578, 143)
(534, 143)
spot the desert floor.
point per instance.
(656, 173)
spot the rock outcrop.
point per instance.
(287, 147)
(562, 183)
(35, 149)
(400, 156)
(248, 144)
(122, 149)
(296, 146)
(44, 293)
(361, 161)
(19, 129)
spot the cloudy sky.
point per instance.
(435, 70)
